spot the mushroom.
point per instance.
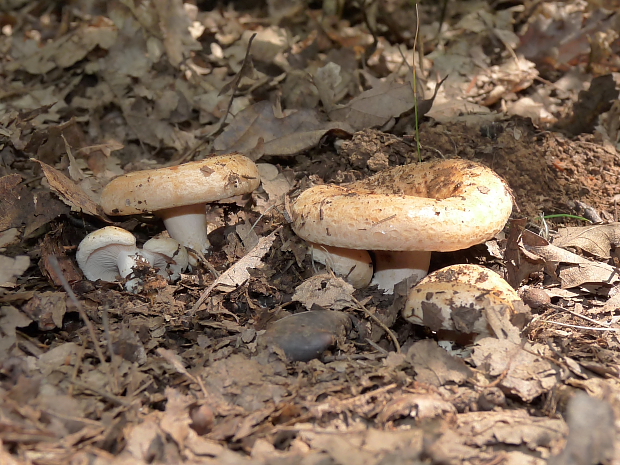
(179, 194)
(455, 299)
(406, 212)
(166, 255)
(108, 253)
(111, 252)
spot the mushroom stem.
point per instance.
(394, 267)
(188, 225)
(126, 263)
(355, 266)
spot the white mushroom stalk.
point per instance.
(443, 205)
(456, 299)
(179, 194)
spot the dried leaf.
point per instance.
(591, 435)
(377, 106)
(572, 269)
(326, 81)
(521, 372)
(596, 239)
(435, 366)
(418, 406)
(298, 131)
(16, 205)
(71, 193)
(326, 291)
(591, 104)
(237, 274)
(11, 268)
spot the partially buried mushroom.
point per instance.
(404, 213)
(456, 299)
(179, 194)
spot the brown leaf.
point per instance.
(71, 193)
(12, 267)
(591, 104)
(521, 372)
(418, 406)
(596, 239)
(237, 274)
(377, 106)
(572, 269)
(290, 135)
(435, 366)
(326, 291)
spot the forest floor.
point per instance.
(188, 372)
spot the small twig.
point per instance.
(106, 395)
(176, 362)
(206, 263)
(591, 320)
(380, 323)
(65, 284)
(581, 327)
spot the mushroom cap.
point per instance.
(454, 299)
(440, 205)
(166, 254)
(203, 181)
(97, 254)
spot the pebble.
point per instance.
(306, 335)
(535, 297)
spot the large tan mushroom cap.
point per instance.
(437, 206)
(196, 182)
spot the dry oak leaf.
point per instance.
(524, 374)
(418, 406)
(571, 269)
(597, 239)
(435, 366)
(70, 193)
(384, 102)
(258, 131)
(326, 291)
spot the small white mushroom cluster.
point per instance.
(177, 194)
(111, 253)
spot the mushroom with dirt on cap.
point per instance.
(404, 213)
(455, 300)
(179, 194)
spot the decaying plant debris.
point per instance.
(200, 371)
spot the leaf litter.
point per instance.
(182, 373)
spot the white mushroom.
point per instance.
(166, 255)
(179, 194)
(443, 205)
(454, 299)
(107, 254)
